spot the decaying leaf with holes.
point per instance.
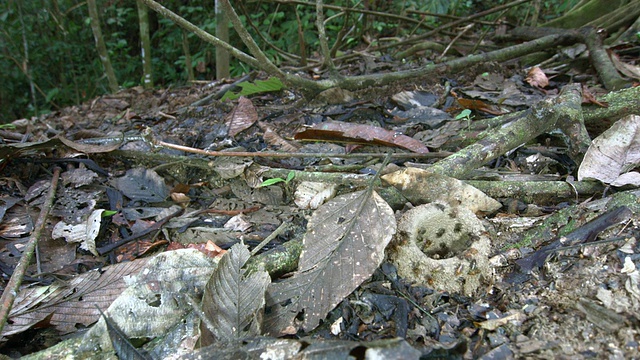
(442, 247)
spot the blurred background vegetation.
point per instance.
(51, 42)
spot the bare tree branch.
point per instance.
(266, 64)
(311, 87)
(203, 34)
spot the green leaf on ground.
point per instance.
(256, 87)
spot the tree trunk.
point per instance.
(25, 62)
(145, 45)
(222, 33)
(100, 46)
(187, 56)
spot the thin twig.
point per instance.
(178, 20)
(271, 236)
(11, 290)
(155, 143)
(246, 38)
(446, 50)
(270, 42)
(439, 29)
(361, 11)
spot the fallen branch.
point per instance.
(13, 286)
(601, 61)
(538, 192)
(541, 118)
(583, 234)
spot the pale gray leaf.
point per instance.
(232, 302)
(343, 246)
(142, 184)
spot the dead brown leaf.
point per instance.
(537, 78)
(242, 117)
(338, 131)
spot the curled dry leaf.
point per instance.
(613, 153)
(180, 198)
(422, 186)
(589, 98)
(310, 195)
(537, 78)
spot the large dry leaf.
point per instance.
(360, 134)
(154, 303)
(242, 117)
(614, 153)
(71, 303)
(232, 302)
(14, 151)
(343, 246)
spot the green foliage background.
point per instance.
(63, 62)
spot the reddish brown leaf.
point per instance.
(479, 105)
(242, 117)
(589, 98)
(137, 249)
(337, 131)
(210, 248)
(181, 188)
(274, 139)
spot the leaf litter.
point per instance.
(338, 278)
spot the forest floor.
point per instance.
(584, 302)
